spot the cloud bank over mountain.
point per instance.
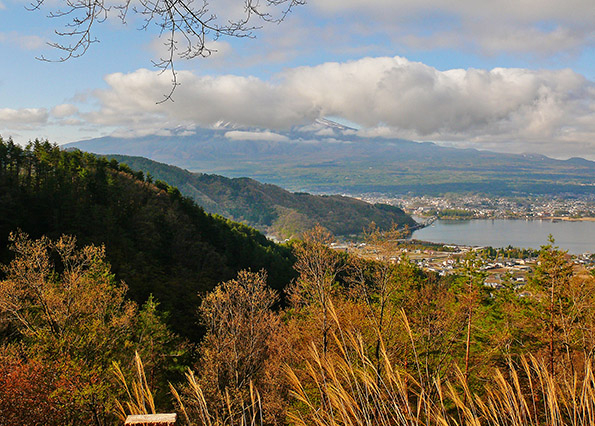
(507, 76)
(385, 96)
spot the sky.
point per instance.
(509, 76)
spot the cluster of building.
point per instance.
(446, 261)
(477, 206)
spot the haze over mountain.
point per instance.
(269, 208)
(328, 157)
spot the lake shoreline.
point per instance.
(429, 220)
(576, 236)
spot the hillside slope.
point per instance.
(156, 240)
(270, 208)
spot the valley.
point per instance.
(123, 262)
(294, 213)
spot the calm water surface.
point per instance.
(576, 237)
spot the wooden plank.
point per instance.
(151, 419)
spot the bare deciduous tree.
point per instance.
(318, 266)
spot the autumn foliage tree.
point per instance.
(563, 307)
(383, 285)
(68, 317)
(243, 347)
(318, 267)
(26, 388)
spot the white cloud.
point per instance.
(64, 110)
(531, 40)
(202, 100)
(24, 41)
(550, 27)
(386, 96)
(72, 122)
(325, 132)
(577, 11)
(20, 117)
(238, 135)
(535, 42)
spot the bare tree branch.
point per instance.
(189, 25)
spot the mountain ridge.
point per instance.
(320, 158)
(270, 208)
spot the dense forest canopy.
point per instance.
(156, 240)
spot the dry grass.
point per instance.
(346, 388)
(195, 409)
(139, 396)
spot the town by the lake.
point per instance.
(503, 263)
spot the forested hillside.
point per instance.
(270, 208)
(361, 340)
(156, 240)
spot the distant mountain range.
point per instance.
(269, 208)
(327, 157)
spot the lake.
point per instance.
(576, 237)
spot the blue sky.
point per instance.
(501, 75)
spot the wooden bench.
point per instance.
(151, 419)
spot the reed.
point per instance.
(195, 410)
(345, 387)
(139, 397)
